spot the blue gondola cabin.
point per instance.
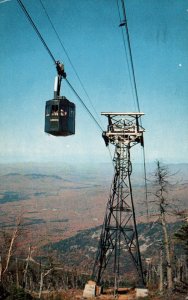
(60, 117)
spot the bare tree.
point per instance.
(26, 267)
(12, 241)
(161, 275)
(161, 184)
(42, 275)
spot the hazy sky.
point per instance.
(90, 32)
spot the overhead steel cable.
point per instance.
(36, 29)
(125, 24)
(145, 182)
(66, 53)
(78, 77)
(126, 54)
(82, 102)
(54, 60)
(130, 53)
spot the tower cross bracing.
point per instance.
(119, 237)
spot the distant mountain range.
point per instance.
(56, 202)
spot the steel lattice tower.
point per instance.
(119, 237)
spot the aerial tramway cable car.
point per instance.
(59, 112)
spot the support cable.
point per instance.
(136, 92)
(126, 54)
(36, 30)
(82, 102)
(54, 60)
(68, 57)
(130, 54)
(145, 183)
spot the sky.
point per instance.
(90, 33)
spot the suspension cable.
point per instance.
(54, 60)
(68, 57)
(126, 54)
(82, 102)
(78, 77)
(145, 183)
(136, 93)
(130, 54)
(36, 29)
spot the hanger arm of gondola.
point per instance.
(60, 74)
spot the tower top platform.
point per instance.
(122, 114)
(123, 127)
